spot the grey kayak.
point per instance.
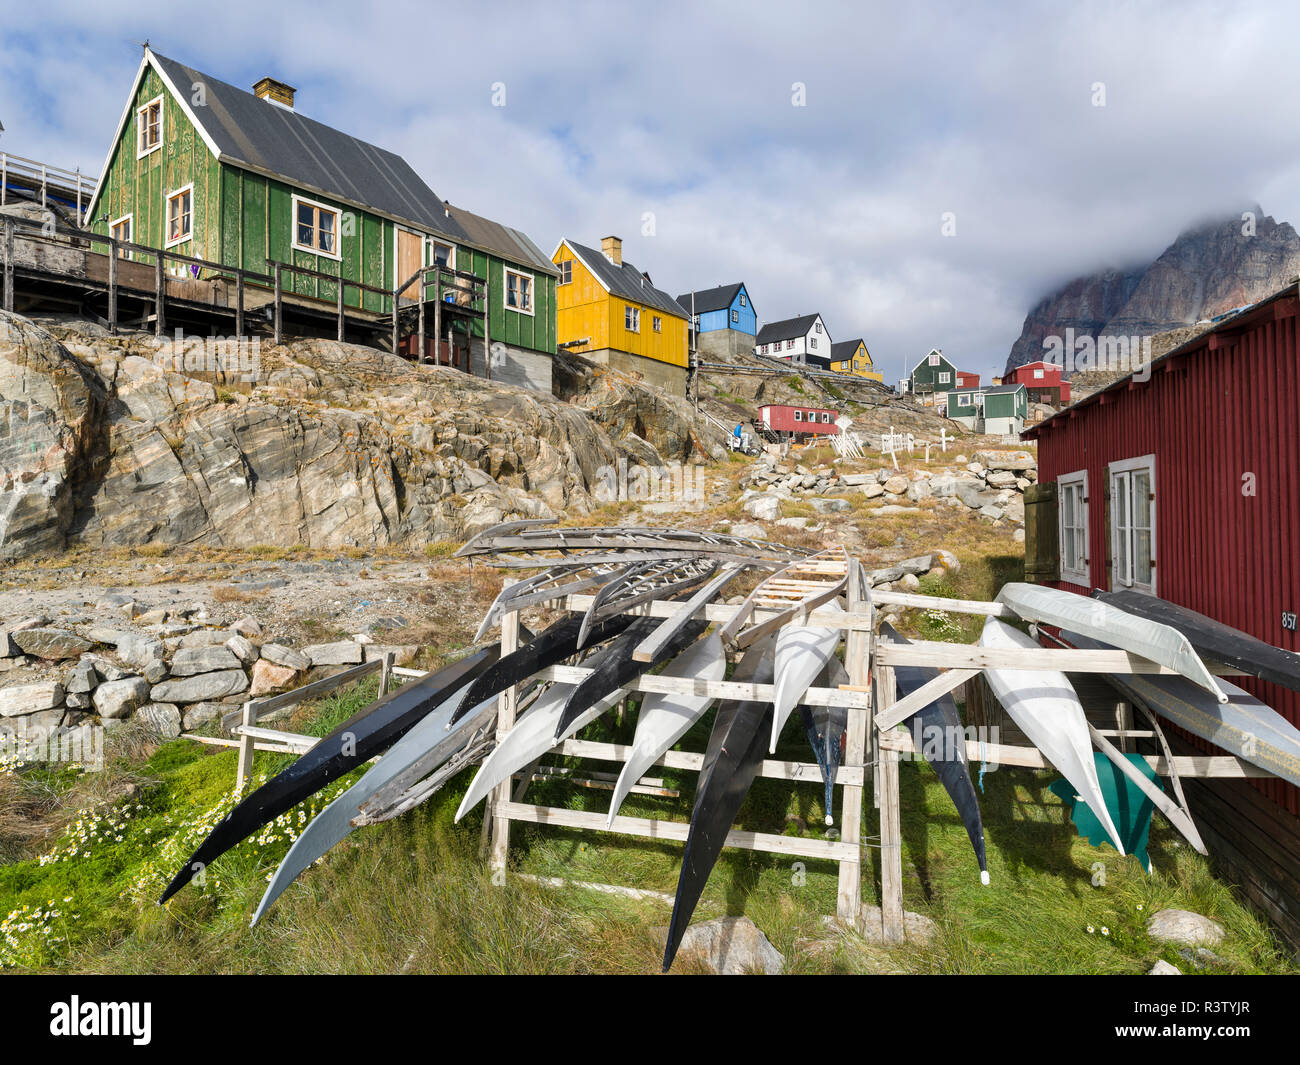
(1091, 617)
(802, 652)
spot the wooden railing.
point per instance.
(42, 180)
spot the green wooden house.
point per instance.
(240, 178)
(935, 375)
(999, 411)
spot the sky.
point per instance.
(921, 174)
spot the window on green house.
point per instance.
(180, 215)
(442, 254)
(149, 122)
(519, 292)
(315, 227)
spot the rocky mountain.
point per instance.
(335, 445)
(1208, 270)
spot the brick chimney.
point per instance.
(613, 249)
(276, 92)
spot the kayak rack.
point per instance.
(964, 663)
(504, 808)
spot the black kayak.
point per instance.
(614, 667)
(825, 727)
(1213, 639)
(939, 738)
(353, 743)
(739, 741)
(550, 647)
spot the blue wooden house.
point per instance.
(724, 319)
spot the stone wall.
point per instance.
(724, 344)
(663, 375)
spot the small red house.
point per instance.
(782, 418)
(1044, 383)
(967, 380)
(1183, 481)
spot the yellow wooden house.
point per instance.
(852, 357)
(608, 311)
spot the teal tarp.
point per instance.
(1128, 806)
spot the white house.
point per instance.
(803, 341)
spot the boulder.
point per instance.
(202, 687)
(279, 655)
(54, 645)
(1163, 968)
(77, 700)
(896, 485)
(342, 653)
(268, 677)
(155, 672)
(766, 507)
(30, 698)
(1184, 928)
(730, 946)
(190, 661)
(118, 698)
(200, 714)
(138, 650)
(1006, 460)
(910, 582)
(918, 490)
(943, 485)
(832, 505)
(1001, 479)
(243, 648)
(84, 678)
(973, 493)
(872, 490)
(855, 480)
(200, 638)
(163, 718)
(248, 626)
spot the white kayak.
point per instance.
(802, 652)
(1044, 704)
(334, 823)
(665, 719)
(1091, 617)
(531, 737)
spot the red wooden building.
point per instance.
(783, 418)
(967, 380)
(1187, 485)
(1044, 383)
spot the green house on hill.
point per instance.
(999, 410)
(206, 169)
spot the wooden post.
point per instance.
(159, 293)
(239, 303)
(244, 768)
(396, 296)
(487, 332)
(419, 344)
(891, 832)
(340, 310)
(857, 655)
(505, 721)
(9, 265)
(4, 178)
(386, 675)
(279, 305)
(112, 285)
(437, 316)
(78, 195)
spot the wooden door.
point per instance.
(410, 257)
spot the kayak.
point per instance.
(789, 594)
(1091, 617)
(555, 583)
(614, 667)
(1213, 639)
(643, 583)
(552, 646)
(1044, 704)
(1244, 725)
(802, 652)
(731, 762)
(825, 727)
(353, 743)
(334, 823)
(665, 719)
(530, 738)
(940, 740)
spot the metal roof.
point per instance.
(843, 350)
(989, 390)
(786, 330)
(625, 280)
(512, 244)
(253, 133)
(711, 299)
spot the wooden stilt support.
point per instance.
(342, 320)
(419, 344)
(487, 330)
(239, 304)
(159, 295)
(279, 306)
(857, 654)
(112, 286)
(891, 831)
(437, 316)
(500, 851)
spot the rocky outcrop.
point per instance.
(106, 442)
(1208, 270)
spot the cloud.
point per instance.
(686, 113)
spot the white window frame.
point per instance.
(826, 418)
(167, 215)
(531, 309)
(798, 415)
(817, 326)
(633, 315)
(743, 301)
(1038, 375)
(963, 399)
(812, 342)
(129, 219)
(431, 247)
(565, 266)
(141, 152)
(1123, 546)
(789, 344)
(656, 323)
(1076, 484)
(945, 377)
(735, 315)
(337, 254)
